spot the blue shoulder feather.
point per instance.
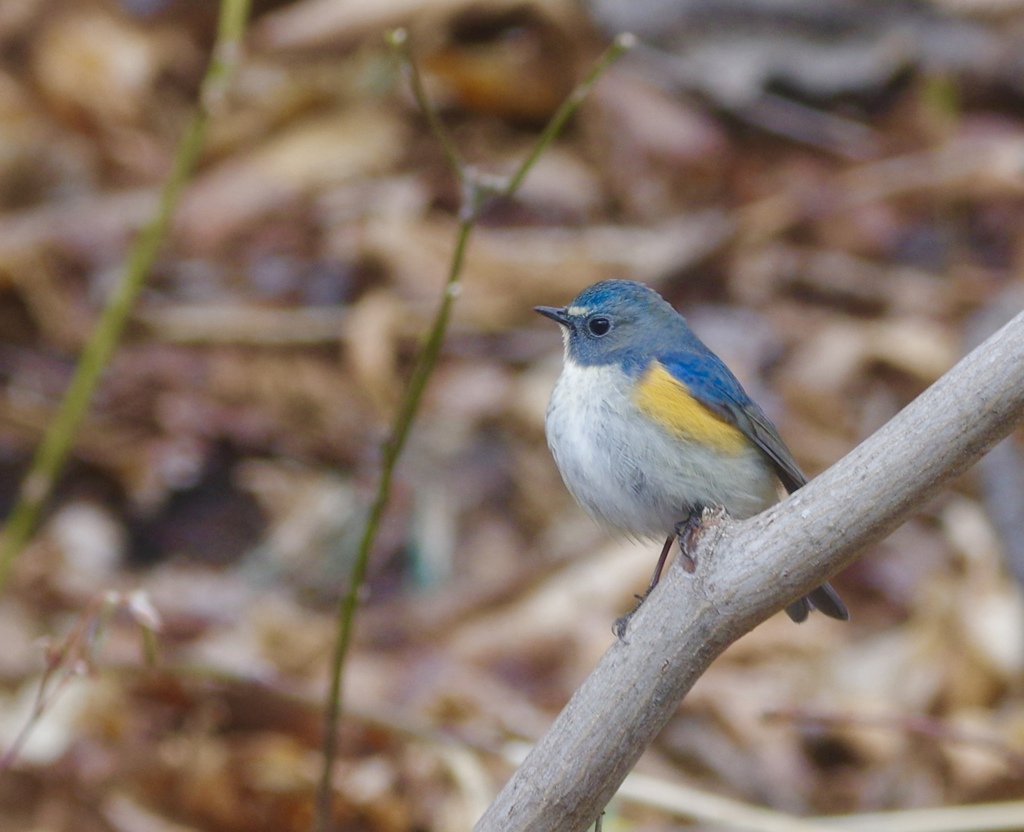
(713, 385)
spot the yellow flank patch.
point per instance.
(669, 403)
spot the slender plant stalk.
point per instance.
(54, 448)
(75, 654)
(554, 127)
(475, 190)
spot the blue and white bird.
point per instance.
(648, 426)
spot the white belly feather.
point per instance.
(632, 475)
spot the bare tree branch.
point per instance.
(746, 572)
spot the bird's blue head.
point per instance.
(619, 322)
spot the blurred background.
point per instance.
(831, 191)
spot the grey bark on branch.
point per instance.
(749, 570)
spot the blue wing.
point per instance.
(713, 385)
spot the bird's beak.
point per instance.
(556, 313)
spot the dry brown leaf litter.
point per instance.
(233, 445)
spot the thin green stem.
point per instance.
(54, 448)
(234, 16)
(399, 41)
(554, 127)
(227, 52)
(392, 450)
(474, 190)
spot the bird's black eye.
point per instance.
(599, 326)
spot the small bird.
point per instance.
(648, 427)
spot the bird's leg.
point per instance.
(660, 565)
(619, 627)
(686, 532)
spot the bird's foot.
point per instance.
(622, 622)
(688, 532)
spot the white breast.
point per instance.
(630, 474)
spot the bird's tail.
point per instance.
(824, 599)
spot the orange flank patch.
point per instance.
(669, 403)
